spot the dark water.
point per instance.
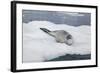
(70, 57)
(61, 17)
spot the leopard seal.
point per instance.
(61, 36)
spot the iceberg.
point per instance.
(39, 46)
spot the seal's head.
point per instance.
(69, 40)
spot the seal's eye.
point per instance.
(69, 37)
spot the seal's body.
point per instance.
(61, 36)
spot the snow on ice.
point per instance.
(39, 46)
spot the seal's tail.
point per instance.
(45, 30)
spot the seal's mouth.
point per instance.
(70, 42)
